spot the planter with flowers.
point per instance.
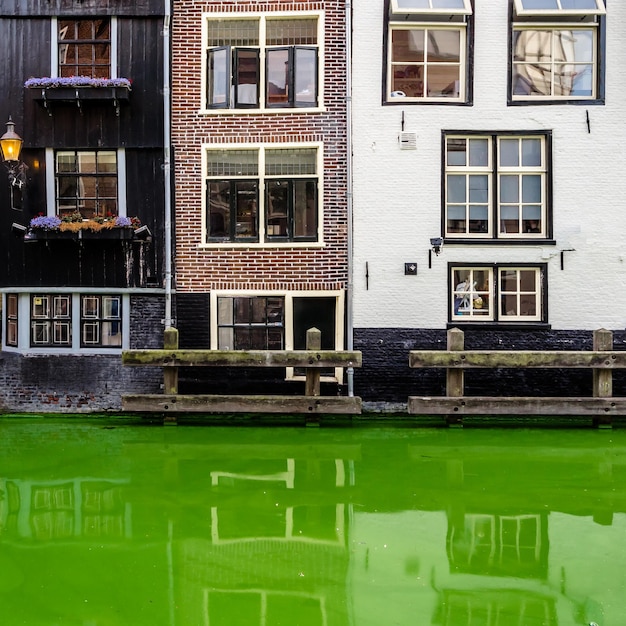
(75, 227)
(79, 89)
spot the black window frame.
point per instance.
(547, 237)
(519, 322)
(551, 22)
(430, 19)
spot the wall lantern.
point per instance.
(11, 146)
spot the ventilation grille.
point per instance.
(408, 141)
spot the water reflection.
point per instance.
(310, 527)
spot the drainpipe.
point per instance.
(349, 288)
(167, 173)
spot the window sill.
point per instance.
(473, 325)
(265, 111)
(260, 246)
(556, 101)
(527, 241)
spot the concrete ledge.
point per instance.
(158, 403)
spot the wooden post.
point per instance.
(455, 378)
(313, 342)
(602, 378)
(170, 374)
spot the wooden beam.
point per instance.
(312, 381)
(519, 358)
(157, 403)
(478, 405)
(242, 358)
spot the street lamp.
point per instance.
(11, 146)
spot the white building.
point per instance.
(496, 126)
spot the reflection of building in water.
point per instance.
(65, 509)
(286, 557)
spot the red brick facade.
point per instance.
(319, 266)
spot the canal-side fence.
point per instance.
(456, 360)
(313, 360)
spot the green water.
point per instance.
(105, 523)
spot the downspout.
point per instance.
(349, 251)
(167, 172)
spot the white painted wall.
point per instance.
(397, 193)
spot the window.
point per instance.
(55, 318)
(262, 194)
(86, 182)
(84, 48)
(11, 320)
(556, 50)
(100, 323)
(497, 293)
(251, 323)
(428, 51)
(497, 186)
(262, 62)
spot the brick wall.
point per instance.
(284, 268)
(83, 383)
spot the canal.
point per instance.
(108, 522)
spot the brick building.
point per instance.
(259, 137)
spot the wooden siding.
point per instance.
(83, 8)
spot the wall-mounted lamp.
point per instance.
(143, 233)
(10, 147)
(436, 243)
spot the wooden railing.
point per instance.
(313, 359)
(602, 360)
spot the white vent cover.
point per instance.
(408, 141)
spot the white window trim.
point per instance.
(51, 183)
(288, 322)
(320, 108)
(494, 314)
(24, 318)
(495, 171)
(520, 10)
(54, 44)
(557, 26)
(466, 10)
(261, 147)
(461, 28)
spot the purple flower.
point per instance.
(123, 221)
(46, 222)
(76, 81)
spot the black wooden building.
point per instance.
(85, 83)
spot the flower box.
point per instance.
(106, 234)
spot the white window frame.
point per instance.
(51, 207)
(494, 172)
(54, 46)
(288, 322)
(395, 95)
(463, 306)
(263, 242)
(24, 322)
(262, 17)
(466, 10)
(560, 10)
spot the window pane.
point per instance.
(509, 152)
(407, 46)
(232, 162)
(531, 189)
(456, 188)
(233, 32)
(277, 208)
(479, 152)
(305, 75)
(479, 189)
(456, 152)
(479, 219)
(444, 46)
(219, 209)
(246, 209)
(277, 76)
(305, 209)
(290, 161)
(531, 152)
(218, 79)
(456, 219)
(107, 162)
(246, 77)
(291, 32)
(443, 82)
(509, 189)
